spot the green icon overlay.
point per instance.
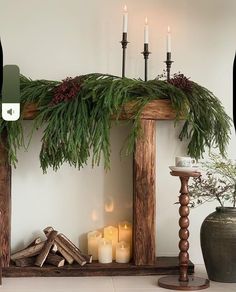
(11, 84)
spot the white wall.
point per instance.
(54, 39)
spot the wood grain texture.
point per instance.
(0, 251)
(73, 250)
(162, 266)
(60, 248)
(62, 241)
(28, 252)
(5, 201)
(144, 201)
(35, 241)
(156, 110)
(25, 262)
(55, 260)
(41, 258)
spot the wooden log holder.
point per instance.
(144, 261)
(183, 281)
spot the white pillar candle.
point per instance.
(168, 40)
(122, 252)
(111, 233)
(146, 31)
(104, 251)
(125, 20)
(125, 232)
(93, 239)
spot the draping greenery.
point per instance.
(76, 116)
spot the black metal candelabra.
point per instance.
(124, 44)
(168, 64)
(146, 54)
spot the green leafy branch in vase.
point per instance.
(219, 183)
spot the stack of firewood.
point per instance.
(55, 250)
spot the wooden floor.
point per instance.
(163, 266)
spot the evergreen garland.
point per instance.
(76, 116)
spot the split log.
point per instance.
(64, 243)
(25, 262)
(45, 250)
(55, 260)
(64, 253)
(87, 257)
(73, 250)
(61, 250)
(28, 252)
(35, 241)
(54, 249)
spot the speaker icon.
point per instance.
(10, 111)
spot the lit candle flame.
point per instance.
(109, 205)
(146, 20)
(168, 29)
(125, 9)
(126, 227)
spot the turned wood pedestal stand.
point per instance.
(183, 281)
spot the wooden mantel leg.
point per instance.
(5, 201)
(144, 209)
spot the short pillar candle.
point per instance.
(122, 252)
(93, 239)
(111, 233)
(104, 251)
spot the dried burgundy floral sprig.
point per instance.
(182, 82)
(67, 90)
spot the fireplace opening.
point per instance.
(73, 201)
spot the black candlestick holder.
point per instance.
(146, 54)
(124, 44)
(168, 64)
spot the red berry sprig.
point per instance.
(182, 82)
(67, 90)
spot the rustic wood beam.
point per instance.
(160, 109)
(144, 205)
(5, 201)
(164, 265)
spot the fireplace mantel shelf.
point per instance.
(160, 109)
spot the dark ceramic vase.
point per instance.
(218, 242)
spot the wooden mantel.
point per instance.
(144, 195)
(155, 110)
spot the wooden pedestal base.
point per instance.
(193, 283)
(163, 266)
(183, 281)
